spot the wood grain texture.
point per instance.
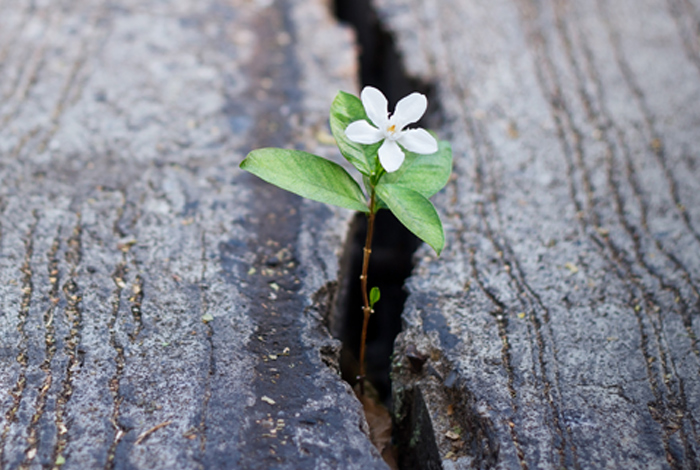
(160, 308)
(562, 320)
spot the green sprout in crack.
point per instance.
(401, 169)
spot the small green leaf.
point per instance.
(347, 108)
(60, 460)
(415, 211)
(426, 174)
(307, 175)
(374, 296)
(207, 317)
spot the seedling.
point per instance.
(401, 169)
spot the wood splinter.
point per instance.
(145, 434)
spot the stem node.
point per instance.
(367, 310)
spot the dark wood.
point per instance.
(159, 307)
(562, 320)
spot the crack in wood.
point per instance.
(527, 297)
(135, 306)
(50, 352)
(665, 284)
(20, 89)
(684, 15)
(632, 232)
(72, 316)
(478, 136)
(118, 277)
(211, 370)
(501, 309)
(64, 100)
(565, 125)
(14, 35)
(601, 120)
(27, 289)
(501, 320)
(655, 139)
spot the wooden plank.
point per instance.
(161, 309)
(560, 326)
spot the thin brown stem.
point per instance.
(367, 310)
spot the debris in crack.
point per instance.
(379, 422)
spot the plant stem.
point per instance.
(367, 310)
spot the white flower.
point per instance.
(390, 128)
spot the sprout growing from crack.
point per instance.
(401, 169)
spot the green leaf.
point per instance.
(307, 175)
(426, 174)
(374, 296)
(415, 211)
(347, 108)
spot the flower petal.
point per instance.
(409, 110)
(391, 156)
(376, 106)
(418, 141)
(363, 132)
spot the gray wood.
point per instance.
(159, 307)
(560, 325)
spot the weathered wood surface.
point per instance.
(558, 329)
(159, 308)
(561, 322)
